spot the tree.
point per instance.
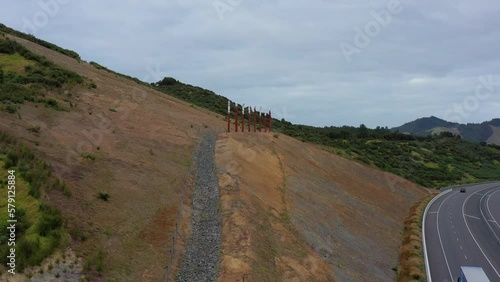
(363, 131)
(446, 134)
(1, 76)
(345, 134)
(167, 81)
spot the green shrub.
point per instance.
(46, 44)
(88, 156)
(38, 78)
(34, 129)
(100, 264)
(11, 109)
(103, 196)
(51, 220)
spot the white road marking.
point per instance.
(471, 216)
(439, 237)
(488, 208)
(461, 247)
(465, 256)
(474, 238)
(488, 196)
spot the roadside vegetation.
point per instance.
(26, 76)
(39, 227)
(411, 257)
(433, 161)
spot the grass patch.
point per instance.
(103, 196)
(88, 156)
(15, 63)
(39, 230)
(28, 77)
(411, 257)
(431, 165)
(34, 129)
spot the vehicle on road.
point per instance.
(462, 190)
(472, 274)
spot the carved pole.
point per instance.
(254, 119)
(260, 119)
(228, 116)
(249, 115)
(243, 118)
(270, 121)
(236, 118)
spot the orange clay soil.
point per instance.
(293, 212)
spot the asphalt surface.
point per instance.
(463, 229)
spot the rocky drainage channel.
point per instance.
(201, 261)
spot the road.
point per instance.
(463, 229)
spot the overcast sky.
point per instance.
(316, 62)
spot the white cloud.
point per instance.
(285, 54)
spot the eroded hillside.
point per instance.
(293, 212)
(122, 139)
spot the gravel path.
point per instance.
(201, 261)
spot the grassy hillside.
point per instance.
(195, 95)
(26, 76)
(134, 145)
(69, 53)
(117, 144)
(431, 161)
(39, 227)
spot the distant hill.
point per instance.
(488, 131)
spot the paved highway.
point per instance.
(463, 229)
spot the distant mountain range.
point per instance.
(488, 131)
